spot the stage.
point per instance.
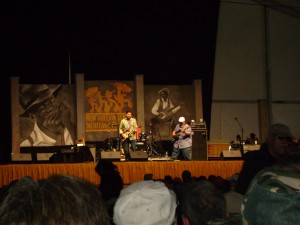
(130, 171)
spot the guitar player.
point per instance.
(127, 129)
(182, 135)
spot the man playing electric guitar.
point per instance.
(182, 136)
(127, 129)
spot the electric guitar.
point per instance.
(125, 134)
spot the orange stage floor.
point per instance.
(130, 171)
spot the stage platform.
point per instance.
(131, 171)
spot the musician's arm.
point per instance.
(174, 133)
(176, 130)
(187, 131)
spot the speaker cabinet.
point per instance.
(199, 147)
(231, 155)
(139, 156)
(140, 146)
(110, 155)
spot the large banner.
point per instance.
(47, 115)
(105, 105)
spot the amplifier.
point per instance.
(140, 145)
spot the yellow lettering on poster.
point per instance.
(96, 122)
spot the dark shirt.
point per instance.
(254, 161)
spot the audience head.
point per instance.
(148, 176)
(145, 203)
(105, 167)
(279, 139)
(57, 200)
(201, 202)
(186, 176)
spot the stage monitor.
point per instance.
(77, 154)
(231, 155)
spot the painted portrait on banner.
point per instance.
(105, 105)
(47, 115)
(164, 105)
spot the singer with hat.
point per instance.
(182, 138)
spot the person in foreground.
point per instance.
(182, 137)
(127, 129)
(278, 141)
(111, 183)
(58, 200)
(201, 203)
(273, 198)
(145, 203)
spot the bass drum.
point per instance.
(143, 137)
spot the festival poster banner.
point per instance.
(106, 103)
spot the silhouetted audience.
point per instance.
(202, 203)
(111, 183)
(145, 203)
(276, 145)
(168, 180)
(148, 176)
(58, 200)
(252, 139)
(186, 176)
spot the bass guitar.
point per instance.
(177, 133)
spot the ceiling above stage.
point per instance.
(290, 7)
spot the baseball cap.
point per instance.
(145, 203)
(280, 130)
(181, 119)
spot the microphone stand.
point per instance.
(242, 131)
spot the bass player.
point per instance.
(127, 129)
(182, 136)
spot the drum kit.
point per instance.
(144, 142)
(148, 143)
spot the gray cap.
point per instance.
(280, 130)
